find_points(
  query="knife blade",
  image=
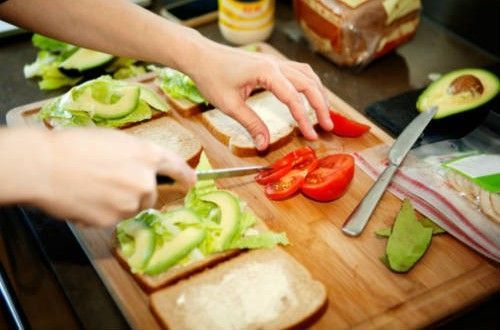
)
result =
(359, 217)
(216, 173)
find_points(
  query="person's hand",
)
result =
(101, 176)
(226, 76)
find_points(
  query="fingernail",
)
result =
(260, 142)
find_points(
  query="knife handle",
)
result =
(164, 179)
(358, 219)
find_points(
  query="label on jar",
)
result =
(246, 15)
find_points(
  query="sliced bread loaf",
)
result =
(273, 113)
(260, 289)
(168, 133)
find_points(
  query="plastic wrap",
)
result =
(465, 207)
(354, 32)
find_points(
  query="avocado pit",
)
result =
(466, 83)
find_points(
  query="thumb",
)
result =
(242, 113)
(174, 166)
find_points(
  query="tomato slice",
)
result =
(330, 179)
(296, 158)
(290, 183)
(344, 126)
(273, 174)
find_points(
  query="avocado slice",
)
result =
(459, 91)
(84, 60)
(230, 217)
(86, 102)
(153, 99)
(182, 216)
(144, 240)
(170, 252)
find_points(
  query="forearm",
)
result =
(23, 156)
(117, 27)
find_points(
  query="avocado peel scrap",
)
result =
(427, 223)
(408, 241)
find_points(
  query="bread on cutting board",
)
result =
(260, 289)
(275, 114)
(185, 107)
(152, 283)
(168, 133)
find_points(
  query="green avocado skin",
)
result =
(437, 94)
(408, 241)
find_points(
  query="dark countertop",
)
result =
(54, 282)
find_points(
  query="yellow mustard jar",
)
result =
(246, 21)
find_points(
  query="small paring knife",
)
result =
(358, 219)
(217, 173)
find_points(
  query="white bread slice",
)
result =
(273, 113)
(168, 133)
(260, 289)
(185, 107)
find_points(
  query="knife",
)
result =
(216, 173)
(358, 219)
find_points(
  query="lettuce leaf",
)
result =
(263, 240)
(53, 52)
(178, 85)
(52, 45)
(207, 217)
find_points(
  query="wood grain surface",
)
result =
(362, 292)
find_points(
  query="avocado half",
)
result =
(459, 91)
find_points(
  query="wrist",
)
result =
(189, 46)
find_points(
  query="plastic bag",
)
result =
(354, 32)
(437, 190)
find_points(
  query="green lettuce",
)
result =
(52, 45)
(178, 85)
(207, 218)
(53, 52)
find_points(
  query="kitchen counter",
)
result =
(54, 282)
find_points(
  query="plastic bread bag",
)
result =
(354, 32)
(455, 183)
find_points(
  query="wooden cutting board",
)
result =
(362, 292)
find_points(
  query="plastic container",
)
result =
(246, 21)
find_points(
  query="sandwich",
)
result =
(275, 114)
(180, 90)
(103, 102)
(161, 247)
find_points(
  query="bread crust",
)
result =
(165, 131)
(153, 283)
(185, 107)
(278, 138)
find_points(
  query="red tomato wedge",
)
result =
(330, 179)
(344, 126)
(284, 165)
(271, 175)
(291, 182)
